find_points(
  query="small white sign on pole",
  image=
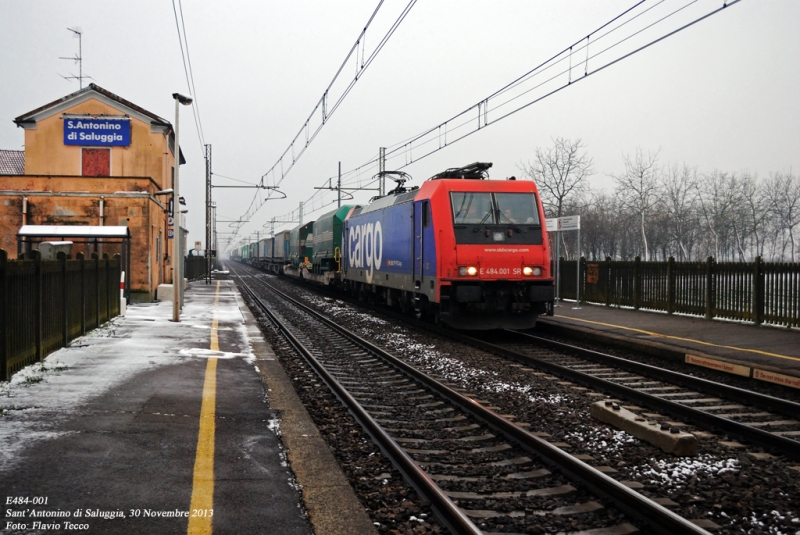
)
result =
(572, 222)
(563, 224)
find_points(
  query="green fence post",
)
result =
(671, 285)
(4, 376)
(637, 281)
(710, 293)
(758, 291)
(62, 261)
(37, 296)
(80, 257)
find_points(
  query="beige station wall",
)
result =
(147, 155)
(138, 210)
(57, 194)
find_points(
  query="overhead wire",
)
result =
(317, 199)
(394, 151)
(235, 179)
(322, 105)
(187, 69)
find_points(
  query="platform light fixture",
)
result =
(177, 271)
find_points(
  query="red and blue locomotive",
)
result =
(468, 251)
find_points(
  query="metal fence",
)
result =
(757, 292)
(45, 304)
(195, 267)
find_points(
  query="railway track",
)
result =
(474, 466)
(768, 421)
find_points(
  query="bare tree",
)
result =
(783, 194)
(680, 199)
(638, 189)
(560, 173)
(755, 211)
(719, 197)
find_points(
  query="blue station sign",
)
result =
(97, 132)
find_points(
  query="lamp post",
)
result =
(177, 266)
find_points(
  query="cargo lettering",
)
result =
(366, 247)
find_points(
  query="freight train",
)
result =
(470, 252)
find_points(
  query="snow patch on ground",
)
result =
(600, 441)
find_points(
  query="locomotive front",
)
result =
(494, 263)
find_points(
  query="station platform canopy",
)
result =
(73, 231)
(90, 234)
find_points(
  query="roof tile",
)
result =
(12, 162)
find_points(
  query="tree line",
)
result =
(659, 211)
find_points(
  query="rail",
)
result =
(786, 446)
(660, 519)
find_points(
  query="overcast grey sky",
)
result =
(722, 94)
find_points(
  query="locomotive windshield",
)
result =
(494, 208)
(495, 217)
(516, 208)
(472, 208)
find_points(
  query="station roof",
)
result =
(28, 120)
(77, 95)
(73, 231)
(12, 162)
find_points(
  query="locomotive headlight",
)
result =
(464, 271)
(535, 271)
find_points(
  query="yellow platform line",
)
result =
(201, 510)
(710, 344)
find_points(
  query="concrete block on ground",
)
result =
(680, 443)
(164, 292)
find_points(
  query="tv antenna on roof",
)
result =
(77, 59)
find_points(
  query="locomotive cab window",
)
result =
(519, 208)
(482, 217)
(426, 214)
(472, 208)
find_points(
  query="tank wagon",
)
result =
(301, 249)
(327, 250)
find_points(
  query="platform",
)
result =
(150, 426)
(769, 350)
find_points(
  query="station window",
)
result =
(96, 162)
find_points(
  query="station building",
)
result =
(93, 158)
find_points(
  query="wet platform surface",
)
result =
(150, 426)
(769, 348)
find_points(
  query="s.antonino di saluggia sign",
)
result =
(102, 132)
